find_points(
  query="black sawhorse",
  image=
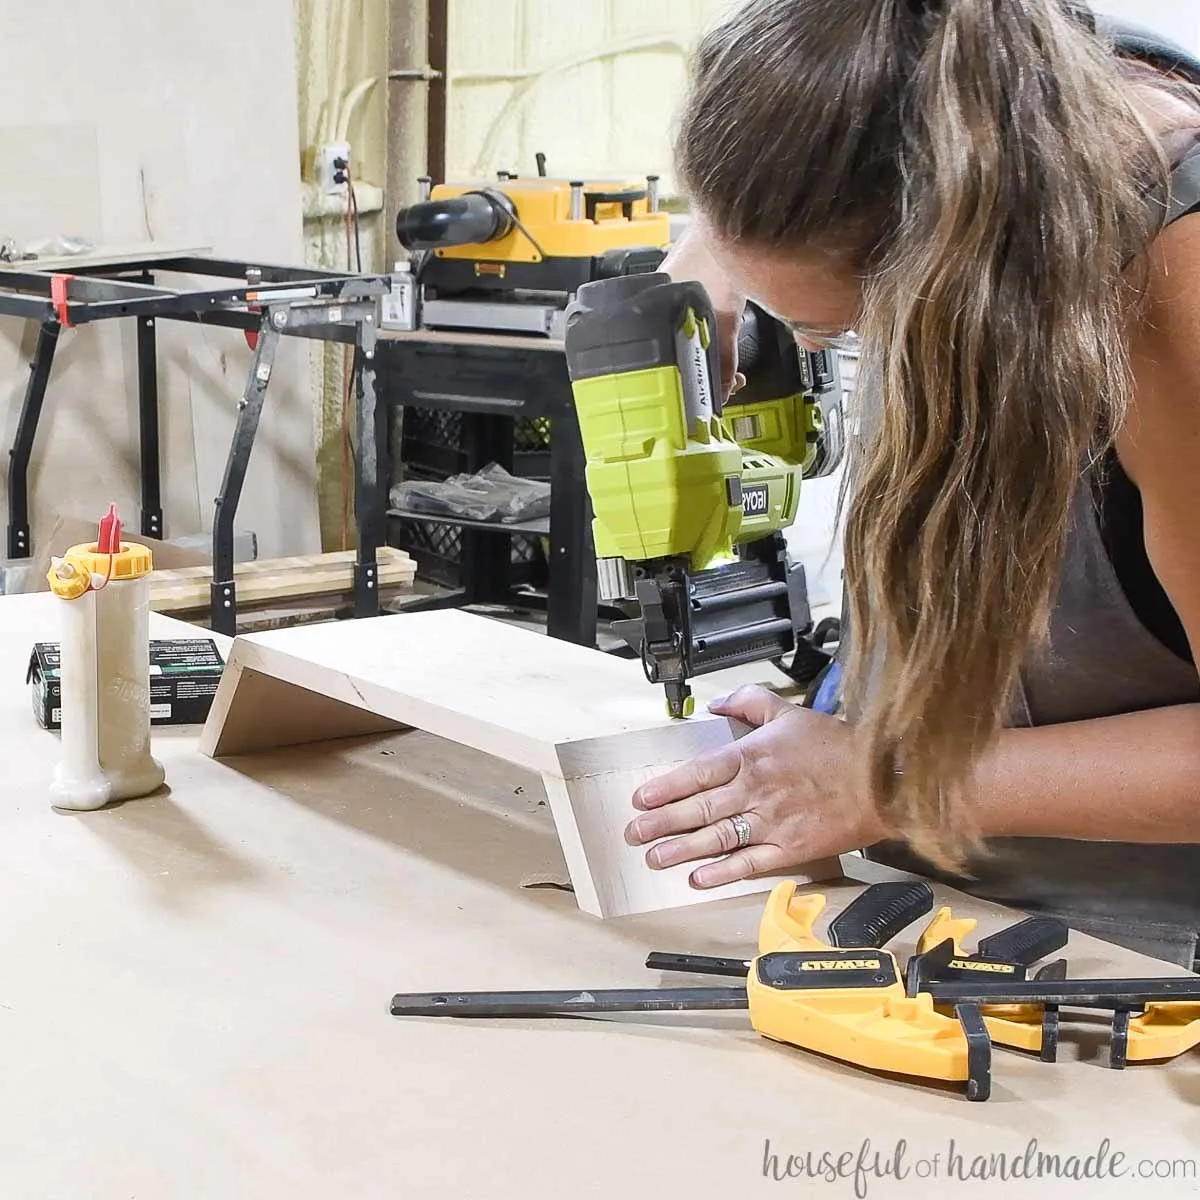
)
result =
(267, 302)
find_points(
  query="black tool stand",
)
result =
(494, 379)
(267, 302)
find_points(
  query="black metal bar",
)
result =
(537, 527)
(1047, 987)
(236, 269)
(131, 300)
(460, 403)
(1071, 993)
(566, 1003)
(1050, 1028)
(164, 306)
(437, 48)
(36, 282)
(246, 320)
(215, 268)
(454, 599)
(571, 611)
(99, 289)
(19, 544)
(698, 964)
(487, 555)
(1118, 1050)
(370, 482)
(979, 1051)
(30, 308)
(223, 590)
(148, 428)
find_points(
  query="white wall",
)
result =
(1178, 19)
(134, 120)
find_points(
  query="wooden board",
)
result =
(186, 589)
(588, 723)
(112, 256)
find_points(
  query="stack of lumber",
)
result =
(281, 590)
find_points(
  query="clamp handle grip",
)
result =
(787, 920)
(1027, 941)
(879, 913)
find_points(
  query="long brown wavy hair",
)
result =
(981, 165)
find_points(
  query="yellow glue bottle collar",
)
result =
(71, 575)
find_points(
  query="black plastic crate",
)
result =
(435, 441)
(437, 548)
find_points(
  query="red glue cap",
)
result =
(109, 541)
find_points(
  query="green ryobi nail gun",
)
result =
(691, 493)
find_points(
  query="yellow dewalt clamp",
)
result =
(1153, 1019)
(1006, 955)
(844, 995)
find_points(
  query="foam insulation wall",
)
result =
(594, 85)
(341, 51)
(133, 121)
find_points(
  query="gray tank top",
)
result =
(1101, 661)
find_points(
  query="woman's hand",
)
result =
(691, 259)
(793, 779)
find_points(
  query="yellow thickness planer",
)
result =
(507, 256)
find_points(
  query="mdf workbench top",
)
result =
(194, 1000)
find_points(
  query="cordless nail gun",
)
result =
(692, 493)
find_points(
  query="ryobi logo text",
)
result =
(756, 500)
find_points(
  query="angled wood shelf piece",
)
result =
(587, 722)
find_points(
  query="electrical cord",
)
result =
(353, 198)
(347, 218)
(349, 358)
(350, 365)
(422, 259)
(521, 226)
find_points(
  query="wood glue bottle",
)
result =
(105, 656)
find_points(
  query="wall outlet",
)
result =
(331, 178)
